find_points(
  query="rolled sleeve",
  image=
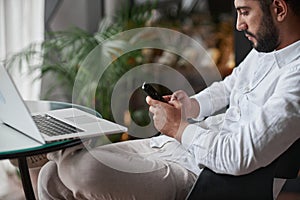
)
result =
(205, 105)
(189, 135)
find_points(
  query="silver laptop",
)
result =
(51, 126)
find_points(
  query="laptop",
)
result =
(50, 126)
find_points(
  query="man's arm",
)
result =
(241, 147)
(216, 96)
(171, 118)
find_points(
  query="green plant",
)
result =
(63, 52)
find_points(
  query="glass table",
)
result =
(14, 145)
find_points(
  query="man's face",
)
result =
(257, 25)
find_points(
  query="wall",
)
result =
(61, 15)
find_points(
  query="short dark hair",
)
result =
(265, 6)
(294, 5)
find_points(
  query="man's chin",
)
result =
(252, 44)
(263, 50)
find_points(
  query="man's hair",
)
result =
(294, 5)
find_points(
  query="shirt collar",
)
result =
(288, 54)
(283, 56)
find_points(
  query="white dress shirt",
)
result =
(262, 119)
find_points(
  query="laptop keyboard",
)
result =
(53, 127)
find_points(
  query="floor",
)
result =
(289, 196)
(291, 190)
(10, 184)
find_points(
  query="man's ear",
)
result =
(280, 9)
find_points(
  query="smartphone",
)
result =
(152, 92)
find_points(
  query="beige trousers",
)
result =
(125, 170)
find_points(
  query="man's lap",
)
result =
(125, 169)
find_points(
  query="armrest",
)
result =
(213, 186)
(288, 164)
(255, 185)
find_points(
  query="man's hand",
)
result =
(190, 106)
(168, 117)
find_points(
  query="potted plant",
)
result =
(63, 52)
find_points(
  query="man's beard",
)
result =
(267, 37)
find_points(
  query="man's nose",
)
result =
(241, 24)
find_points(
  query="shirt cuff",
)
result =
(189, 135)
(203, 99)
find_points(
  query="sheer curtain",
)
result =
(21, 22)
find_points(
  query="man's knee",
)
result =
(46, 178)
(50, 185)
(81, 170)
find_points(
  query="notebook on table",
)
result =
(48, 126)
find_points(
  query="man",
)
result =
(261, 122)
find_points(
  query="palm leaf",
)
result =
(62, 53)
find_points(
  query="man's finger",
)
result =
(176, 103)
(150, 101)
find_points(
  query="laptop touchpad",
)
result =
(82, 119)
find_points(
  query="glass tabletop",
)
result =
(13, 144)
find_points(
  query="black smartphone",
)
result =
(152, 92)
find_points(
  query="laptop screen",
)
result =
(13, 110)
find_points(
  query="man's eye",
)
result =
(244, 13)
